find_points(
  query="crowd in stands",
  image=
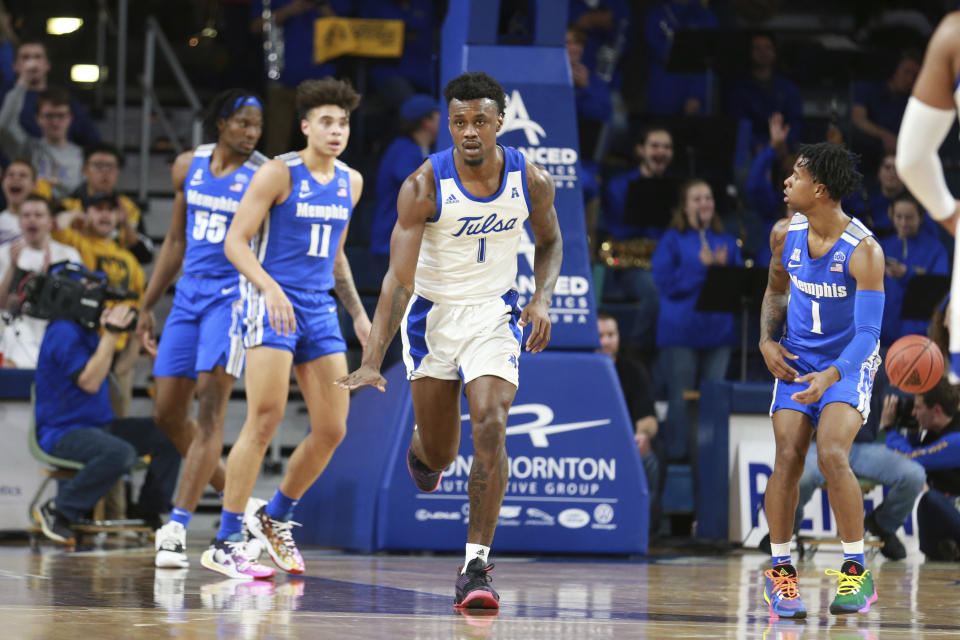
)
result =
(653, 113)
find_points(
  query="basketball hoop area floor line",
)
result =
(119, 594)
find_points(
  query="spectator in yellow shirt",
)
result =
(101, 172)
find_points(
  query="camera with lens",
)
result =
(903, 419)
(71, 292)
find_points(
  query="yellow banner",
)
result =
(333, 37)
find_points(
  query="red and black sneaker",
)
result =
(473, 587)
(426, 479)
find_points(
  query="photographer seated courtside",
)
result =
(73, 413)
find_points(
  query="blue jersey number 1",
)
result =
(816, 318)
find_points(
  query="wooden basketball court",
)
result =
(52, 593)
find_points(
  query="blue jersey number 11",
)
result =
(320, 240)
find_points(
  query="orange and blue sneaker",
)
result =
(473, 587)
(276, 536)
(781, 592)
(855, 589)
(426, 479)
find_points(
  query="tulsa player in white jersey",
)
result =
(295, 214)
(453, 263)
(929, 116)
(200, 351)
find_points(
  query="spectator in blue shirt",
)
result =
(293, 21)
(33, 54)
(416, 70)
(763, 93)
(879, 196)
(694, 345)
(655, 152)
(421, 119)
(878, 108)
(675, 93)
(908, 253)
(75, 421)
(769, 169)
(938, 451)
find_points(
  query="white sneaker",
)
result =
(254, 546)
(171, 543)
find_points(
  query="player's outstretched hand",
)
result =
(280, 311)
(819, 381)
(775, 356)
(537, 315)
(146, 331)
(365, 375)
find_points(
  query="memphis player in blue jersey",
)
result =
(826, 282)
(200, 351)
(287, 242)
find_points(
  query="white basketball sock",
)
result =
(475, 551)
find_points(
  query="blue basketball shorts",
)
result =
(318, 327)
(854, 389)
(202, 330)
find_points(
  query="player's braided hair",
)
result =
(833, 166)
(224, 105)
(316, 93)
(473, 86)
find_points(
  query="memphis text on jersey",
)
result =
(213, 203)
(326, 211)
(821, 290)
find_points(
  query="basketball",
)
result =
(914, 364)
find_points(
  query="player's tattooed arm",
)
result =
(547, 256)
(546, 231)
(773, 312)
(344, 286)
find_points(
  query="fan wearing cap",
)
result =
(421, 118)
(101, 172)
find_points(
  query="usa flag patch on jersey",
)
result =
(836, 267)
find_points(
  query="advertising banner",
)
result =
(754, 466)
(334, 37)
(575, 483)
(540, 121)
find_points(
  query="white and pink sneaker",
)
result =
(231, 559)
